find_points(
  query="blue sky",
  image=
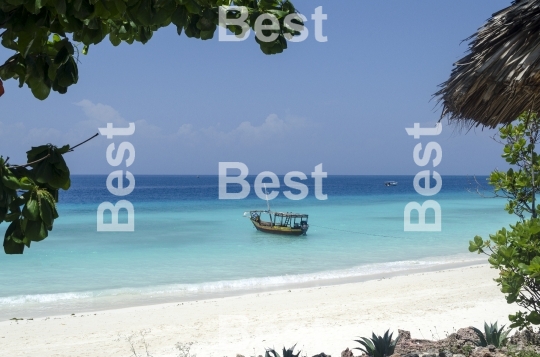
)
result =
(344, 103)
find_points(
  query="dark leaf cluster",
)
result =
(28, 195)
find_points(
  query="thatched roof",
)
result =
(500, 77)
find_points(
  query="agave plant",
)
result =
(378, 346)
(286, 353)
(493, 335)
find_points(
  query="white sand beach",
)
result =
(320, 319)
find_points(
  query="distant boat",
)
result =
(390, 183)
(279, 222)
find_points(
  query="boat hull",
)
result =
(268, 228)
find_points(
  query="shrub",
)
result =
(527, 352)
(378, 346)
(286, 353)
(492, 335)
(515, 252)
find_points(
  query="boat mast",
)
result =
(266, 194)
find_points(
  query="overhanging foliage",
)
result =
(28, 195)
(43, 32)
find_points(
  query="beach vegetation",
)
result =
(184, 349)
(378, 346)
(467, 350)
(525, 352)
(29, 193)
(515, 252)
(47, 37)
(492, 335)
(138, 345)
(286, 352)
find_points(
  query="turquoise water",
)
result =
(188, 242)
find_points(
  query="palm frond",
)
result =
(500, 76)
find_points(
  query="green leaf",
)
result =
(534, 318)
(40, 88)
(180, 16)
(46, 213)
(64, 149)
(67, 74)
(31, 210)
(11, 182)
(10, 245)
(60, 6)
(37, 152)
(478, 241)
(62, 56)
(36, 230)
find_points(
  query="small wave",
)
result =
(183, 290)
(43, 298)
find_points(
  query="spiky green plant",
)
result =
(286, 353)
(378, 346)
(492, 335)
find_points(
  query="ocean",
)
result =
(188, 244)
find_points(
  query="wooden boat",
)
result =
(295, 224)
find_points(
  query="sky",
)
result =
(344, 103)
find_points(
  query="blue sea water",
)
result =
(187, 242)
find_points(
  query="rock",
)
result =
(429, 355)
(445, 353)
(491, 348)
(322, 354)
(347, 353)
(525, 337)
(481, 352)
(466, 334)
(411, 355)
(404, 335)
(239, 355)
(458, 355)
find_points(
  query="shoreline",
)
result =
(98, 303)
(320, 319)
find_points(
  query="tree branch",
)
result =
(43, 158)
(79, 144)
(30, 163)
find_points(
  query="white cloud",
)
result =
(101, 113)
(195, 143)
(271, 129)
